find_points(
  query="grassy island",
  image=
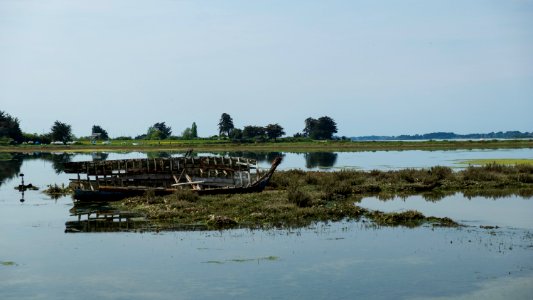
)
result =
(297, 198)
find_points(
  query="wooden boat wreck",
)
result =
(113, 180)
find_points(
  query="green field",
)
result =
(292, 146)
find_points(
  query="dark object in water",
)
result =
(24, 187)
(117, 179)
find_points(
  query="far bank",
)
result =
(307, 146)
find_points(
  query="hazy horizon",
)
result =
(382, 68)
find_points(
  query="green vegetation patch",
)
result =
(8, 263)
(55, 191)
(500, 161)
(297, 198)
(304, 145)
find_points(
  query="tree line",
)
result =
(322, 128)
(449, 136)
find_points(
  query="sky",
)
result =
(377, 67)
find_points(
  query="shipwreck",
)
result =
(113, 180)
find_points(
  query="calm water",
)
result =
(345, 260)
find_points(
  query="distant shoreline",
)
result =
(308, 146)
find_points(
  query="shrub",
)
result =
(299, 197)
(440, 172)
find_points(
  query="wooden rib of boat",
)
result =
(117, 179)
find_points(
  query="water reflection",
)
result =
(359, 261)
(320, 159)
(511, 211)
(99, 156)
(436, 196)
(103, 218)
(261, 157)
(158, 154)
(9, 166)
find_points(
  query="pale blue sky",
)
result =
(376, 67)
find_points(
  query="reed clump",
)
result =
(55, 191)
(299, 197)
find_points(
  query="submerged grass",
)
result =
(8, 263)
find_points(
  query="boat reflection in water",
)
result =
(100, 217)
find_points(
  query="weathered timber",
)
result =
(204, 175)
(161, 165)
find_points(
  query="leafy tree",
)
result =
(251, 132)
(225, 125)
(153, 134)
(274, 131)
(99, 130)
(327, 127)
(310, 126)
(194, 130)
(38, 138)
(10, 127)
(159, 131)
(236, 134)
(321, 129)
(187, 134)
(61, 132)
(164, 130)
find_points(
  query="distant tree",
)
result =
(159, 131)
(123, 138)
(321, 129)
(99, 130)
(153, 134)
(164, 130)
(310, 126)
(10, 127)
(298, 135)
(251, 132)
(236, 134)
(194, 130)
(38, 138)
(327, 127)
(61, 132)
(187, 134)
(225, 125)
(274, 131)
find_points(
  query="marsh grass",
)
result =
(296, 198)
(55, 191)
(300, 198)
(500, 161)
